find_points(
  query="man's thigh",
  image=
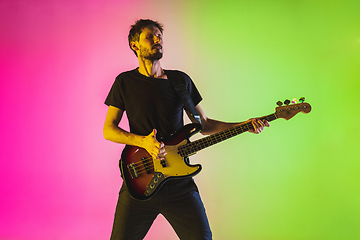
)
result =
(133, 218)
(187, 216)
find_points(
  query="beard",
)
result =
(150, 55)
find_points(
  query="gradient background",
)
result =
(297, 180)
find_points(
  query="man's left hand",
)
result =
(258, 125)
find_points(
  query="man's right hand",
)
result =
(153, 147)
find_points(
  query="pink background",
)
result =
(58, 177)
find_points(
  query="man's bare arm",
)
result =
(211, 126)
(114, 133)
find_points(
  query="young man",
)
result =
(154, 110)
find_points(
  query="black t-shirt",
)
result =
(150, 102)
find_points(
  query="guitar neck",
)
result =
(193, 147)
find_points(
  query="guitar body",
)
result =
(144, 175)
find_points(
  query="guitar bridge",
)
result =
(132, 170)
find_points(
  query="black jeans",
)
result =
(178, 201)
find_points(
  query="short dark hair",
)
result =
(136, 29)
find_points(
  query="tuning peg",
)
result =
(302, 99)
(287, 102)
(294, 101)
(279, 103)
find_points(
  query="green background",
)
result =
(298, 179)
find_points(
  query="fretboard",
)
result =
(193, 147)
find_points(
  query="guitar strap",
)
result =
(179, 84)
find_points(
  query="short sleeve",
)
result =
(115, 97)
(194, 93)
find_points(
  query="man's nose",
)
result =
(156, 39)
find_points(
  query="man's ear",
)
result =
(134, 46)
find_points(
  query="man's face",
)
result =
(150, 44)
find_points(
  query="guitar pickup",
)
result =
(146, 165)
(163, 163)
(132, 170)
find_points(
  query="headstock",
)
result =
(290, 110)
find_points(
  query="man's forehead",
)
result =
(151, 29)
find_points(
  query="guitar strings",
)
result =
(187, 149)
(140, 165)
(193, 147)
(197, 145)
(184, 150)
(143, 170)
(142, 160)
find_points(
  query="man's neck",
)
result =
(151, 69)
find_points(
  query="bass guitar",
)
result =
(144, 175)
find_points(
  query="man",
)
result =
(154, 110)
